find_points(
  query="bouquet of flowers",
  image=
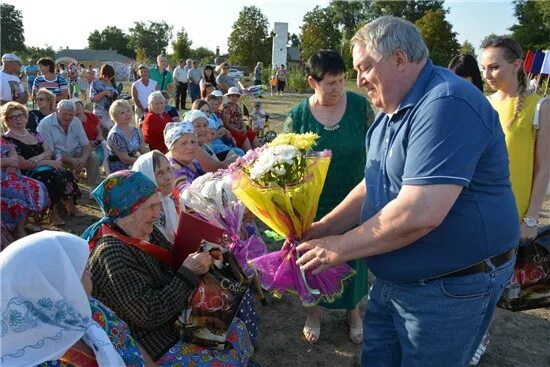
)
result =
(281, 183)
(211, 197)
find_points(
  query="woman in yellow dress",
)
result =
(525, 120)
(527, 137)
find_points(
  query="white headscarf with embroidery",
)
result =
(44, 308)
(168, 223)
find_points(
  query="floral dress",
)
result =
(184, 354)
(118, 142)
(185, 175)
(101, 107)
(19, 194)
(235, 115)
(118, 332)
(60, 184)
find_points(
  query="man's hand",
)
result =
(320, 254)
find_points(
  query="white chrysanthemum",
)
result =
(272, 157)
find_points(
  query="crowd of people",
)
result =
(448, 185)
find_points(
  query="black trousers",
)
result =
(181, 95)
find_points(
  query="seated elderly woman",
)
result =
(182, 142)
(154, 122)
(52, 322)
(19, 194)
(132, 274)
(233, 121)
(206, 156)
(157, 168)
(124, 142)
(37, 162)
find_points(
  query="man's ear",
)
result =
(312, 82)
(401, 59)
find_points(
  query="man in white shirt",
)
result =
(11, 87)
(141, 89)
(181, 78)
(63, 132)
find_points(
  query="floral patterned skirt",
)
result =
(184, 354)
(21, 195)
(60, 184)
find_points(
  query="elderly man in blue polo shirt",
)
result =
(435, 217)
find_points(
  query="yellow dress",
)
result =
(520, 141)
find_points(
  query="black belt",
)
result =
(483, 266)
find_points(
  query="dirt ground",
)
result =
(518, 339)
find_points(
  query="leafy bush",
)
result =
(296, 80)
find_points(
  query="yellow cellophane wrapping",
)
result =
(289, 211)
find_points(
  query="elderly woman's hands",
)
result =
(198, 262)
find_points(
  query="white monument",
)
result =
(280, 42)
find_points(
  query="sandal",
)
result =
(311, 334)
(355, 333)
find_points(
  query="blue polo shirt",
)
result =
(444, 132)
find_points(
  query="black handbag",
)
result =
(215, 301)
(530, 285)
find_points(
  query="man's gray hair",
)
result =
(155, 96)
(386, 34)
(66, 105)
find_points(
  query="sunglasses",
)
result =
(504, 42)
(40, 99)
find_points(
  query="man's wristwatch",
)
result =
(530, 221)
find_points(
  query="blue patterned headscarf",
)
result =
(175, 130)
(119, 195)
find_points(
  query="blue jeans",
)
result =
(194, 91)
(433, 322)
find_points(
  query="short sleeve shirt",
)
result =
(10, 87)
(69, 143)
(162, 79)
(55, 86)
(444, 132)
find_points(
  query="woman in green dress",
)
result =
(341, 120)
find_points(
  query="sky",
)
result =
(212, 20)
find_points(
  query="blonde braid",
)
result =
(522, 93)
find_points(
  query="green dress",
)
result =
(347, 169)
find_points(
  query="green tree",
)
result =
(468, 48)
(153, 37)
(12, 34)
(204, 55)
(349, 15)
(412, 10)
(319, 30)
(439, 36)
(533, 27)
(294, 40)
(249, 42)
(181, 45)
(110, 38)
(141, 57)
(37, 52)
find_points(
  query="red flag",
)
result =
(528, 62)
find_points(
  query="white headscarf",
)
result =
(44, 308)
(168, 223)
